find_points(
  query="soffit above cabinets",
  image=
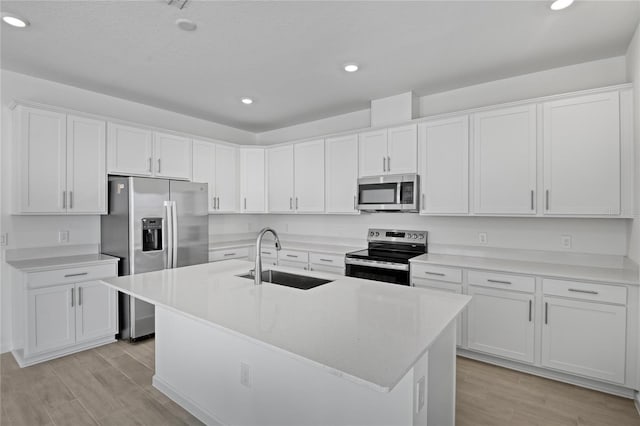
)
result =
(288, 56)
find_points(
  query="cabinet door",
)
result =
(372, 153)
(252, 180)
(226, 171)
(504, 145)
(172, 156)
(50, 318)
(501, 323)
(444, 166)
(280, 173)
(309, 176)
(95, 311)
(129, 150)
(341, 174)
(447, 288)
(86, 165)
(402, 149)
(43, 170)
(582, 155)
(584, 338)
(203, 168)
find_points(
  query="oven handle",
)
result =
(374, 264)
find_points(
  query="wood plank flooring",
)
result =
(111, 385)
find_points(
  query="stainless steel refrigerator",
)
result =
(153, 224)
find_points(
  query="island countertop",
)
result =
(365, 331)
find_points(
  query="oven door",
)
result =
(357, 269)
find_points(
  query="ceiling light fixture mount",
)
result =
(186, 24)
(246, 101)
(15, 20)
(351, 67)
(561, 4)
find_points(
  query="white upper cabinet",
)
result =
(280, 177)
(217, 166)
(252, 180)
(402, 146)
(388, 151)
(62, 163)
(444, 166)
(172, 156)
(309, 176)
(129, 150)
(86, 165)
(504, 145)
(582, 155)
(43, 163)
(226, 177)
(341, 159)
(204, 158)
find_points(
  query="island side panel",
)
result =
(199, 367)
(441, 386)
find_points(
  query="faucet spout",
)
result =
(258, 269)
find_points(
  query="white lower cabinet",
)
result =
(585, 338)
(501, 322)
(241, 253)
(56, 313)
(441, 286)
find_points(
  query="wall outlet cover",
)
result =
(565, 241)
(63, 237)
(245, 375)
(4, 239)
(483, 238)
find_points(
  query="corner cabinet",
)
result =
(582, 155)
(61, 163)
(388, 151)
(504, 161)
(443, 152)
(137, 151)
(62, 311)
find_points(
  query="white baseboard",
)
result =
(5, 347)
(36, 359)
(637, 401)
(186, 403)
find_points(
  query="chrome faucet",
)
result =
(258, 270)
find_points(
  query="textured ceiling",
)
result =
(288, 55)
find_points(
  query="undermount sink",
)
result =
(302, 282)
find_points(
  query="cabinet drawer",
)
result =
(436, 285)
(71, 275)
(338, 270)
(502, 281)
(440, 273)
(326, 259)
(585, 291)
(293, 256)
(233, 253)
(269, 253)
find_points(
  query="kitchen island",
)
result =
(351, 351)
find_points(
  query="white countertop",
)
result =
(48, 263)
(365, 331)
(627, 275)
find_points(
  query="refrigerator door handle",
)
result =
(168, 225)
(174, 234)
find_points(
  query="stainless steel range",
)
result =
(387, 256)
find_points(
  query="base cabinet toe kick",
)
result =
(580, 332)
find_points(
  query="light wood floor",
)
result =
(111, 385)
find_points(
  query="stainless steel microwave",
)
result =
(395, 193)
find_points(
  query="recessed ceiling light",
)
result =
(561, 4)
(15, 20)
(351, 67)
(186, 24)
(246, 101)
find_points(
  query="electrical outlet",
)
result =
(483, 238)
(63, 237)
(245, 374)
(565, 241)
(4, 239)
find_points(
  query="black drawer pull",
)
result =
(500, 282)
(292, 255)
(575, 290)
(76, 275)
(326, 260)
(439, 274)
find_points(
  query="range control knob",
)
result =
(377, 234)
(371, 233)
(415, 236)
(421, 236)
